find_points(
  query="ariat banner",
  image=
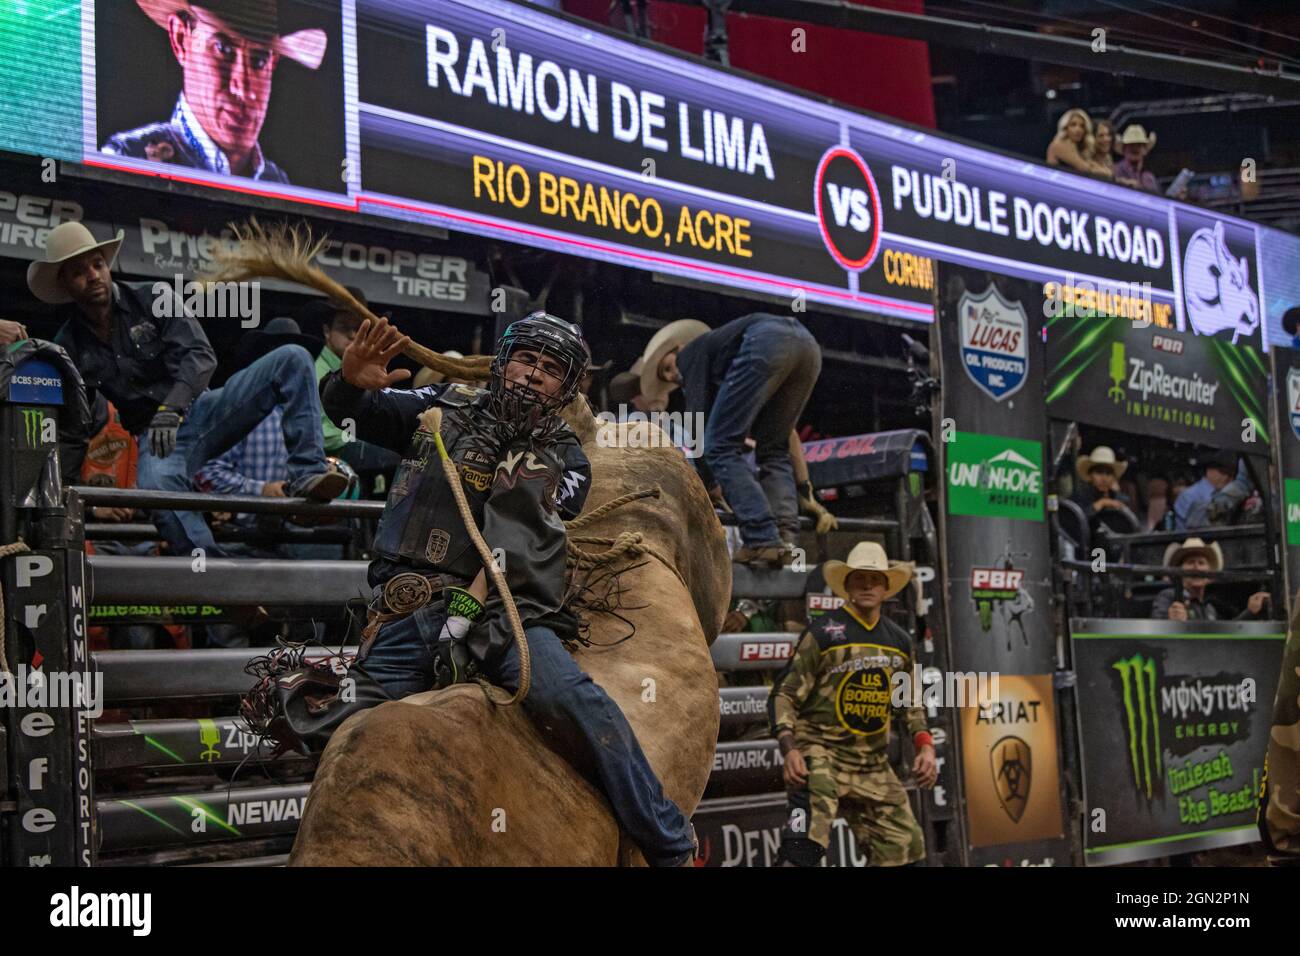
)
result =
(1131, 375)
(1009, 763)
(1173, 721)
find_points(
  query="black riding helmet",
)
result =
(547, 335)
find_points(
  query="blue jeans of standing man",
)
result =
(219, 419)
(569, 709)
(762, 396)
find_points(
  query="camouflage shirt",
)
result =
(835, 693)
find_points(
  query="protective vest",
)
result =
(421, 525)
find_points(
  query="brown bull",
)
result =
(446, 778)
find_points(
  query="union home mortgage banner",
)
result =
(1173, 721)
(1286, 385)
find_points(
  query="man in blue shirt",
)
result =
(1191, 510)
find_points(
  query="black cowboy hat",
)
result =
(279, 331)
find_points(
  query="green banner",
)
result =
(1140, 378)
(992, 476)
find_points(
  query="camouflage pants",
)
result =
(873, 804)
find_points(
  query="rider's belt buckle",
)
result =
(407, 592)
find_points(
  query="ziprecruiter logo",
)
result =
(1149, 390)
(991, 476)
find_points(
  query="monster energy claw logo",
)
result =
(34, 427)
(1142, 719)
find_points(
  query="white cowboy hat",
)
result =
(256, 20)
(1101, 455)
(671, 336)
(66, 241)
(867, 556)
(1133, 133)
(427, 376)
(1176, 554)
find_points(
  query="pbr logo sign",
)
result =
(994, 343)
(1293, 399)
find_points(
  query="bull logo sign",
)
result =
(1293, 399)
(1012, 767)
(1217, 293)
(994, 342)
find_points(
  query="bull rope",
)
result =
(7, 550)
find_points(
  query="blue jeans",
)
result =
(219, 419)
(568, 708)
(762, 396)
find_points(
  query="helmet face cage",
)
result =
(548, 337)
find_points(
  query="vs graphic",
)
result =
(850, 207)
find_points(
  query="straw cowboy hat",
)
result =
(672, 336)
(256, 20)
(867, 556)
(427, 376)
(1176, 554)
(1102, 455)
(1133, 133)
(66, 241)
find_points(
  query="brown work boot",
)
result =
(766, 556)
(323, 486)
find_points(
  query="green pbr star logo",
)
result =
(991, 476)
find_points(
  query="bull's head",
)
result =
(1218, 291)
(1237, 298)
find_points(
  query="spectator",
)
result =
(1103, 150)
(11, 332)
(1186, 601)
(1135, 145)
(1290, 324)
(1192, 507)
(1100, 473)
(338, 325)
(1157, 502)
(151, 358)
(753, 377)
(1073, 144)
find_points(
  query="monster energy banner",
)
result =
(1138, 377)
(1173, 719)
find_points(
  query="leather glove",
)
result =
(809, 505)
(162, 431)
(463, 609)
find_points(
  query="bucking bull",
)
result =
(450, 778)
